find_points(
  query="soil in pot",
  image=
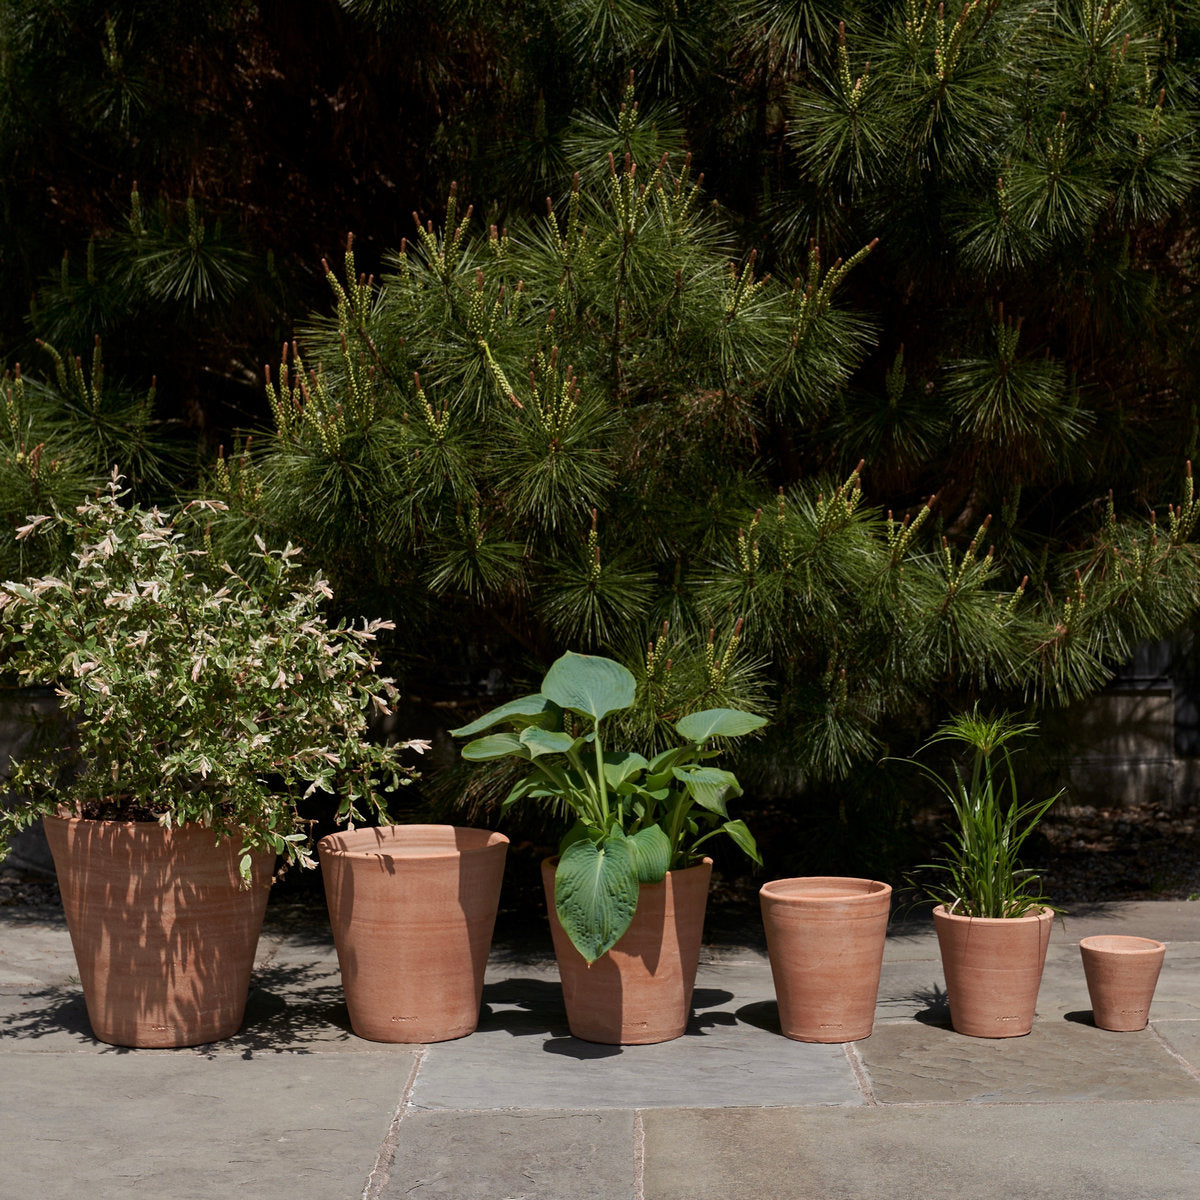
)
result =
(413, 908)
(164, 933)
(640, 992)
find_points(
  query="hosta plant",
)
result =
(980, 874)
(191, 695)
(635, 818)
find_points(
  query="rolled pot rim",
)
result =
(551, 860)
(791, 889)
(1144, 945)
(333, 844)
(1037, 914)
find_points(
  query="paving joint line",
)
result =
(1183, 1062)
(377, 1180)
(639, 1156)
(861, 1075)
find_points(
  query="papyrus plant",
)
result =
(980, 874)
(635, 818)
(191, 694)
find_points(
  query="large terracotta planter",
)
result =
(164, 934)
(641, 990)
(413, 908)
(993, 968)
(1122, 973)
(825, 938)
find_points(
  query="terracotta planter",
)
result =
(164, 934)
(413, 908)
(1122, 973)
(993, 968)
(641, 990)
(825, 937)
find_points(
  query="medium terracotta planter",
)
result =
(413, 908)
(164, 934)
(1122, 973)
(825, 937)
(641, 990)
(993, 968)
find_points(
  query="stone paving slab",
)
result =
(169, 1123)
(522, 1056)
(980, 1152)
(542, 1155)
(1180, 1037)
(34, 953)
(911, 1062)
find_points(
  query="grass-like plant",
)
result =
(980, 873)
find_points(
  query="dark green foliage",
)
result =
(569, 420)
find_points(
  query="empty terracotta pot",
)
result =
(825, 937)
(993, 968)
(413, 908)
(163, 932)
(641, 990)
(1122, 973)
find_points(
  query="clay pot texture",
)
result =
(993, 968)
(825, 937)
(641, 990)
(413, 908)
(1122, 973)
(163, 931)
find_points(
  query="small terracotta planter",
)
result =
(825, 937)
(413, 908)
(163, 932)
(993, 968)
(1122, 973)
(641, 990)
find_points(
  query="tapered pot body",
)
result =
(1122, 973)
(641, 990)
(825, 937)
(164, 933)
(993, 968)
(413, 908)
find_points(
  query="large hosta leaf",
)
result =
(596, 892)
(718, 722)
(525, 710)
(744, 838)
(589, 685)
(546, 741)
(621, 766)
(495, 745)
(651, 854)
(710, 787)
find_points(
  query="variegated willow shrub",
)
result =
(191, 694)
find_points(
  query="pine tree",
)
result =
(594, 431)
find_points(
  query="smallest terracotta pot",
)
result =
(1122, 973)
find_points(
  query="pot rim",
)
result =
(1123, 944)
(792, 890)
(552, 860)
(1038, 914)
(332, 845)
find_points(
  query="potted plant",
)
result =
(993, 923)
(200, 704)
(628, 889)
